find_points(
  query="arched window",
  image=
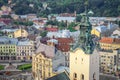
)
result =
(94, 78)
(74, 75)
(82, 77)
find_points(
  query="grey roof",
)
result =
(7, 40)
(106, 77)
(101, 28)
(61, 76)
(22, 43)
(48, 50)
(9, 30)
(69, 19)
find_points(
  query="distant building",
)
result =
(14, 16)
(8, 48)
(108, 61)
(108, 43)
(103, 30)
(6, 10)
(9, 32)
(116, 34)
(20, 33)
(64, 45)
(6, 21)
(31, 16)
(66, 19)
(59, 34)
(52, 29)
(25, 50)
(39, 23)
(41, 66)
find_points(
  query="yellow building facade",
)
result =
(7, 51)
(84, 66)
(96, 32)
(41, 66)
(8, 48)
(20, 33)
(109, 46)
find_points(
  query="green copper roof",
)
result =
(85, 41)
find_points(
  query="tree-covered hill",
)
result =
(99, 7)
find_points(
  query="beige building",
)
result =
(108, 61)
(41, 66)
(25, 49)
(84, 66)
(20, 33)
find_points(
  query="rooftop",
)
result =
(22, 43)
(48, 50)
(110, 40)
(9, 30)
(6, 40)
(61, 76)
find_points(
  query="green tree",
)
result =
(43, 34)
(6, 16)
(71, 26)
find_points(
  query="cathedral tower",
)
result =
(84, 58)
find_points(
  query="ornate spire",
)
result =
(85, 39)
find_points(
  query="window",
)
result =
(74, 75)
(94, 77)
(81, 60)
(82, 77)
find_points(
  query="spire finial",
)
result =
(86, 6)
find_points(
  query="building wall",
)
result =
(24, 52)
(41, 67)
(58, 60)
(7, 51)
(109, 46)
(67, 58)
(20, 33)
(84, 64)
(108, 61)
(95, 32)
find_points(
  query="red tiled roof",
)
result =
(106, 40)
(65, 40)
(52, 29)
(116, 40)
(109, 40)
(63, 48)
(64, 44)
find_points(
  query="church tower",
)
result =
(84, 58)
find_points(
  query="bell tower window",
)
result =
(82, 77)
(74, 76)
